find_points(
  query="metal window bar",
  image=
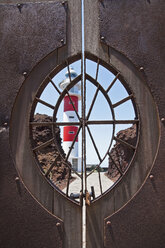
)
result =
(51, 166)
(44, 103)
(84, 123)
(54, 85)
(94, 144)
(123, 101)
(97, 69)
(112, 83)
(75, 137)
(124, 143)
(68, 182)
(47, 143)
(119, 169)
(106, 122)
(93, 101)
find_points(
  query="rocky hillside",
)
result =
(120, 153)
(46, 155)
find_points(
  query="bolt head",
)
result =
(17, 179)
(141, 68)
(162, 119)
(62, 41)
(24, 73)
(58, 224)
(108, 223)
(102, 38)
(151, 176)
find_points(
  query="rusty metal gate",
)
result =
(46, 40)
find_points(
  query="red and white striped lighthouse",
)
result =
(69, 115)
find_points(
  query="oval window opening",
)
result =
(84, 128)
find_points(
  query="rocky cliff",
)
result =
(121, 154)
(46, 155)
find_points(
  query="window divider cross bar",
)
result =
(43, 145)
(75, 137)
(94, 144)
(44, 103)
(122, 101)
(54, 85)
(51, 166)
(112, 83)
(93, 102)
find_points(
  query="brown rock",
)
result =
(121, 154)
(46, 155)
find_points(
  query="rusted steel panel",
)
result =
(29, 32)
(51, 199)
(136, 29)
(142, 162)
(23, 222)
(33, 46)
(91, 30)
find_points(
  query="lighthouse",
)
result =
(69, 115)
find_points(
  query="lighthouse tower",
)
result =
(69, 115)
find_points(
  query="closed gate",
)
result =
(103, 94)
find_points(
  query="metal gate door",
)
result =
(39, 38)
(109, 34)
(100, 73)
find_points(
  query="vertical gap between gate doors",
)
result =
(83, 175)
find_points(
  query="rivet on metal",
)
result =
(141, 68)
(108, 223)
(102, 38)
(62, 41)
(24, 73)
(19, 6)
(163, 120)
(17, 179)
(151, 177)
(58, 225)
(65, 4)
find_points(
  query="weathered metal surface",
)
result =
(92, 32)
(51, 199)
(142, 163)
(134, 28)
(60, 228)
(29, 32)
(141, 222)
(138, 32)
(23, 221)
